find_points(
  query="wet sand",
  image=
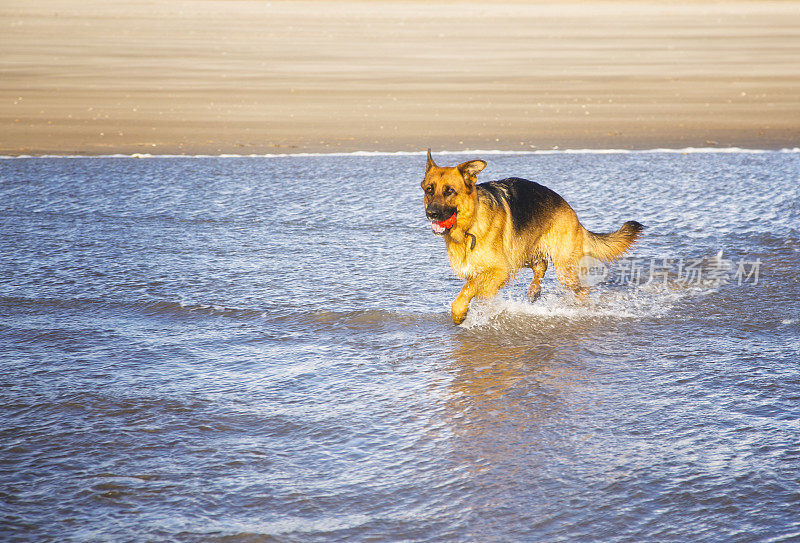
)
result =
(246, 77)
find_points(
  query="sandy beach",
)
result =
(220, 76)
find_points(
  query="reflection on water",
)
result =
(499, 396)
(494, 376)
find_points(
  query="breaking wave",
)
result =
(685, 150)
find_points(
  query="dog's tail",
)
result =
(608, 247)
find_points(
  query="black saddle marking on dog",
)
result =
(528, 201)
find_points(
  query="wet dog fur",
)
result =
(494, 229)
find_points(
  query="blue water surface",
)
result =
(260, 349)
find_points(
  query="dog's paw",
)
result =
(459, 310)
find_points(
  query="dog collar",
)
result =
(472, 240)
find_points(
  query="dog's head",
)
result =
(449, 192)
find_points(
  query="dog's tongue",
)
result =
(439, 227)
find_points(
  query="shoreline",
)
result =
(487, 152)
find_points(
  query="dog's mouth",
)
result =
(440, 227)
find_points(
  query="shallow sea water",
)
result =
(260, 349)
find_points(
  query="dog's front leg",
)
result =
(484, 285)
(460, 305)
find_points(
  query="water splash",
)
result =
(608, 302)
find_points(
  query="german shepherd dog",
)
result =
(494, 229)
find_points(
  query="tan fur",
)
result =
(499, 250)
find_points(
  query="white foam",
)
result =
(645, 301)
(686, 150)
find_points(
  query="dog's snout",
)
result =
(433, 211)
(438, 212)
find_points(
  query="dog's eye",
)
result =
(429, 189)
(449, 191)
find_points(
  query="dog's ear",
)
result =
(469, 170)
(431, 163)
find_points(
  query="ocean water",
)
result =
(260, 349)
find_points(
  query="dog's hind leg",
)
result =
(539, 267)
(568, 276)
